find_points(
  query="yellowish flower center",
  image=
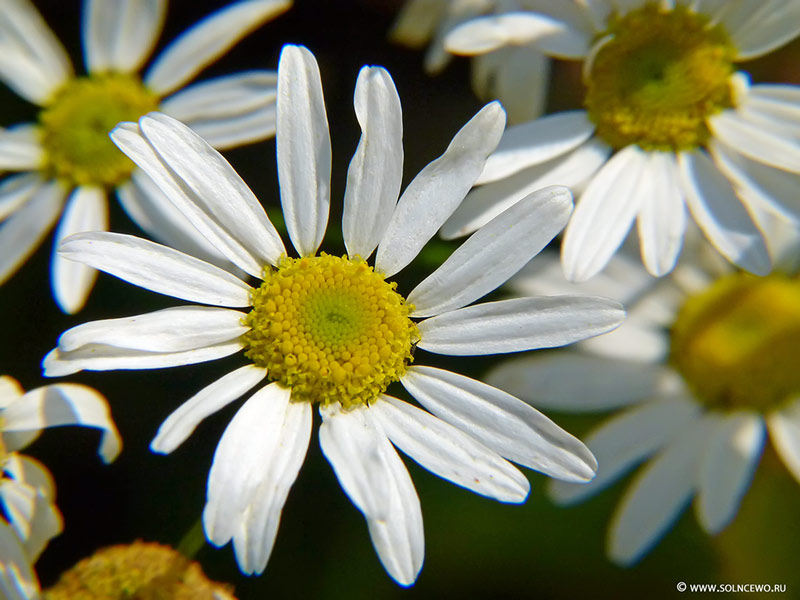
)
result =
(657, 79)
(76, 123)
(737, 343)
(331, 329)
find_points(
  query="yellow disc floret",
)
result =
(331, 329)
(656, 78)
(737, 343)
(76, 123)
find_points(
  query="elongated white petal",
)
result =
(662, 216)
(625, 440)
(17, 579)
(353, 444)
(501, 422)
(86, 210)
(720, 215)
(19, 503)
(177, 428)
(15, 191)
(519, 324)
(604, 214)
(770, 26)
(65, 404)
(208, 40)
(657, 496)
(304, 149)
(437, 190)
(535, 142)
(169, 330)
(211, 195)
(118, 35)
(727, 467)
(95, 357)
(22, 233)
(448, 452)
(32, 61)
(519, 82)
(784, 432)
(494, 253)
(20, 148)
(756, 142)
(32, 472)
(376, 170)
(157, 268)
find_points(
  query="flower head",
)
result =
(333, 330)
(66, 164)
(668, 124)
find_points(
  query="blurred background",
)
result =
(475, 547)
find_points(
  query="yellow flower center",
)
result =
(658, 77)
(331, 329)
(736, 343)
(76, 123)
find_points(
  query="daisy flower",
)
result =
(703, 368)
(27, 491)
(516, 75)
(668, 123)
(331, 330)
(65, 164)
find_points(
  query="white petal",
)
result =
(32, 472)
(535, 142)
(86, 210)
(169, 330)
(494, 253)
(255, 465)
(206, 41)
(657, 496)
(604, 214)
(501, 422)
(756, 142)
(18, 504)
(212, 196)
(354, 445)
(108, 358)
(438, 189)
(15, 191)
(376, 170)
(22, 233)
(448, 452)
(784, 431)
(46, 524)
(662, 216)
(65, 404)
(228, 111)
(721, 216)
(727, 467)
(20, 148)
(157, 268)
(32, 61)
(520, 82)
(182, 422)
(416, 22)
(770, 26)
(304, 149)
(485, 202)
(118, 35)
(519, 324)
(569, 381)
(625, 440)
(17, 578)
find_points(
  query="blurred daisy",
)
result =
(704, 367)
(331, 330)
(27, 493)
(668, 124)
(66, 163)
(516, 75)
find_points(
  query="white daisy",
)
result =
(668, 124)
(516, 75)
(27, 491)
(331, 330)
(704, 366)
(65, 163)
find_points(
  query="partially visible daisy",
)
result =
(66, 163)
(703, 369)
(331, 330)
(516, 75)
(668, 124)
(27, 493)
